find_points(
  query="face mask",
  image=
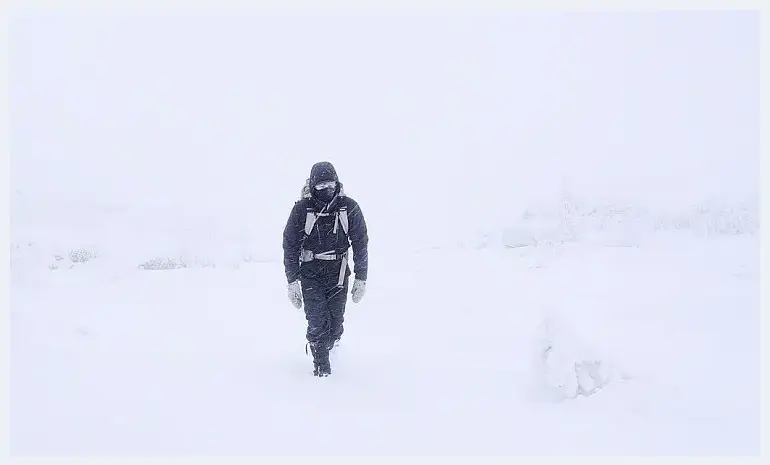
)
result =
(325, 192)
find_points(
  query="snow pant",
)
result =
(324, 305)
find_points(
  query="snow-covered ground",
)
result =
(562, 210)
(453, 350)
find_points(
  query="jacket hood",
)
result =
(321, 172)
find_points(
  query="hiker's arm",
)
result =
(359, 241)
(293, 234)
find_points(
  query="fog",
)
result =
(439, 124)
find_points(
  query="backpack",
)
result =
(341, 218)
(312, 216)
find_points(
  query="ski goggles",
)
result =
(326, 185)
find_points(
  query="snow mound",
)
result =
(567, 367)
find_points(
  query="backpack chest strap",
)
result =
(340, 218)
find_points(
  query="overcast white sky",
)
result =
(425, 116)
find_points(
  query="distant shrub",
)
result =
(573, 221)
(80, 256)
(163, 263)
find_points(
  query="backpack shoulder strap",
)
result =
(310, 219)
(311, 216)
(343, 218)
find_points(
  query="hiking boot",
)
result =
(321, 370)
(321, 365)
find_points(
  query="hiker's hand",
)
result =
(295, 294)
(359, 289)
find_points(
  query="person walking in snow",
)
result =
(322, 226)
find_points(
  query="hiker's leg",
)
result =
(318, 321)
(336, 306)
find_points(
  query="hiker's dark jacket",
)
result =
(323, 238)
